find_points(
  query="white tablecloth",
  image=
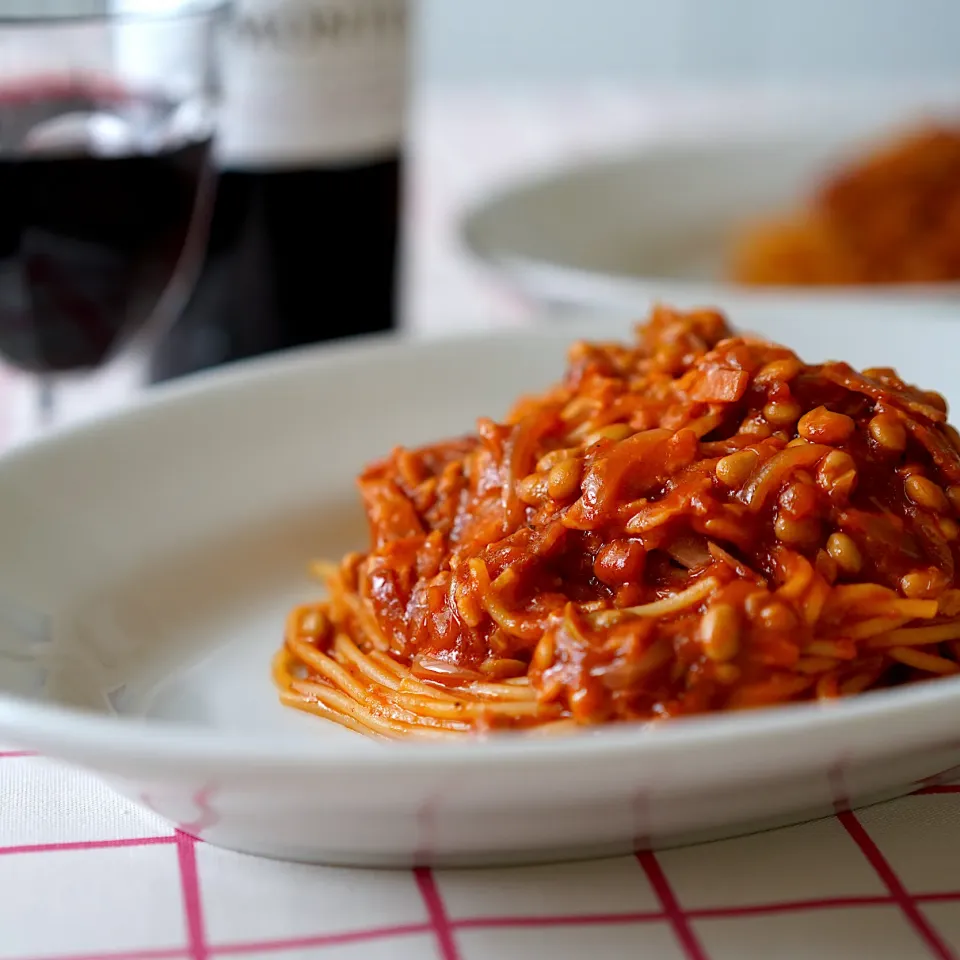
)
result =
(85, 875)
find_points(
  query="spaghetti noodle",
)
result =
(693, 522)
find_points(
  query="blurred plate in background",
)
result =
(659, 222)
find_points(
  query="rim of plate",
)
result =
(588, 287)
(63, 730)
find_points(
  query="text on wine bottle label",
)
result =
(308, 80)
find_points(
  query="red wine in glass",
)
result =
(100, 191)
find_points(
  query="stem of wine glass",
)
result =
(46, 401)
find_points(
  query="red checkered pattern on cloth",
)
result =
(84, 874)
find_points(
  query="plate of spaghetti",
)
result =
(548, 593)
(853, 198)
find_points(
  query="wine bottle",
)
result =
(304, 237)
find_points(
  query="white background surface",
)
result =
(685, 41)
(657, 42)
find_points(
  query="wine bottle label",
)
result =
(312, 80)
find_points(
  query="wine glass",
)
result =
(106, 125)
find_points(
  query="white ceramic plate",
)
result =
(148, 561)
(658, 221)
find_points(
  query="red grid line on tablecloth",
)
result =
(257, 946)
(190, 890)
(888, 877)
(86, 845)
(692, 949)
(698, 913)
(10, 754)
(437, 912)
(171, 953)
(321, 940)
(938, 788)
